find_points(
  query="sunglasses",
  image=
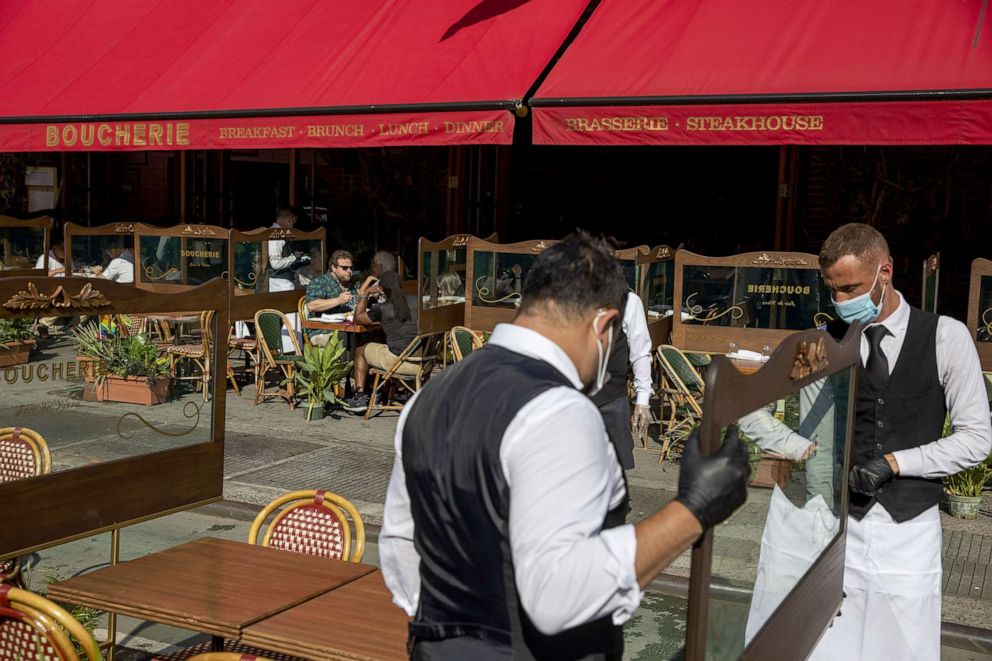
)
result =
(344, 268)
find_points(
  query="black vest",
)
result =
(907, 412)
(616, 367)
(460, 501)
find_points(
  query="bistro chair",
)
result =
(231, 656)
(464, 341)
(313, 522)
(422, 354)
(681, 393)
(304, 315)
(130, 324)
(247, 347)
(32, 627)
(268, 331)
(23, 454)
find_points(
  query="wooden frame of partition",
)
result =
(485, 318)
(43, 222)
(183, 232)
(245, 302)
(796, 625)
(659, 327)
(931, 273)
(51, 509)
(716, 339)
(980, 268)
(442, 318)
(73, 230)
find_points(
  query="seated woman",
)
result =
(398, 316)
(449, 288)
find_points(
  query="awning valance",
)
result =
(697, 72)
(247, 74)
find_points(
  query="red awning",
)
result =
(708, 72)
(193, 74)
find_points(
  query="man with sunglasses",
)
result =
(333, 292)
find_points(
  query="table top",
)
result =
(210, 585)
(341, 327)
(357, 620)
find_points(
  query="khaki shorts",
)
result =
(380, 357)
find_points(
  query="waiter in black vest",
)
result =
(631, 346)
(917, 367)
(494, 535)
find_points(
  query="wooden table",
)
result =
(357, 620)
(210, 585)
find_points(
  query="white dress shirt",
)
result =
(967, 402)
(563, 478)
(121, 268)
(54, 264)
(635, 327)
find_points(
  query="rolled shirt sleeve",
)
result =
(276, 260)
(564, 478)
(635, 327)
(967, 402)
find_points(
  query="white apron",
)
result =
(892, 578)
(792, 540)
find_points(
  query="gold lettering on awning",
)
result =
(123, 134)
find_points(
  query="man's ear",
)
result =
(605, 317)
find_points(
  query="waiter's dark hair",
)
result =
(576, 275)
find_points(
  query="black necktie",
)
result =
(877, 365)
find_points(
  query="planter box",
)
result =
(132, 390)
(87, 367)
(772, 470)
(16, 353)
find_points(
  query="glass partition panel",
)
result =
(100, 389)
(181, 260)
(22, 248)
(92, 255)
(660, 288)
(499, 277)
(444, 277)
(763, 552)
(754, 297)
(984, 329)
(277, 264)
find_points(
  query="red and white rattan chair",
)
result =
(23, 454)
(32, 627)
(230, 656)
(233, 651)
(313, 522)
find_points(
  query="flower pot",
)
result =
(132, 390)
(772, 470)
(963, 507)
(15, 353)
(316, 414)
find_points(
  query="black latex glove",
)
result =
(713, 487)
(866, 478)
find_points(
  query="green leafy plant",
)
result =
(319, 370)
(119, 356)
(14, 330)
(970, 481)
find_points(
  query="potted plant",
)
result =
(964, 490)
(15, 342)
(123, 369)
(318, 372)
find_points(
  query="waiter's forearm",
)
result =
(662, 537)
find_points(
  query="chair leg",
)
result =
(234, 381)
(259, 383)
(372, 397)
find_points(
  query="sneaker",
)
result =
(357, 404)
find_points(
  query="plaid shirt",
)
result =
(326, 286)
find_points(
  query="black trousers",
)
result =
(616, 416)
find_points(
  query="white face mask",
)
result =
(603, 357)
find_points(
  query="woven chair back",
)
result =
(269, 330)
(32, 627)
(676, 361)
(313, 522)
(131, 324)
(464, 341)
(23, 454)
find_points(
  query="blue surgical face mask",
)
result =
(861, 308)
